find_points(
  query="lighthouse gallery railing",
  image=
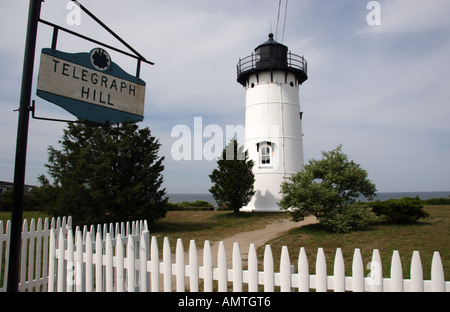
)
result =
(294, 61)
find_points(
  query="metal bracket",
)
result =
(32, 109)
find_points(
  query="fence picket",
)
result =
(437, 274)
(98, 261)
(269, 273)
(108, 263)
(39, 234)
(3, 238)
(180, 268)
(222, 268)
(143, 258)
(70, 264)
(45, 252)
(237, 268)
(8, 232)
(375, 280)
(252, 269)
(131, 283)
(357, 272)
(61, 268)
(285, 270)
(167, 265)
(78, 275)
(154, 265)
(207, 267)
(51, 262)
(89, 287)
(193, 266)
(303, 271)
(416, 273)
(321, 271)
(396, 273)
(339, 272)
(31, 254)
(23, 254)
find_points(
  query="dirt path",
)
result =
(257, 237)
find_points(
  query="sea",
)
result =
(180, 197)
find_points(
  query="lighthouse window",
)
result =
(257, 55)
(265, 153)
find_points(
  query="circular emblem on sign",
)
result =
(100, 59)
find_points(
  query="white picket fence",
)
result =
(123, 257)
(34, 252)
(36, 248)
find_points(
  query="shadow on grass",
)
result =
(316, 229)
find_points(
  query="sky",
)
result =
(378, 79)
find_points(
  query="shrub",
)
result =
(328, 189)
(437, 201)
(404, 210)
(345, 219)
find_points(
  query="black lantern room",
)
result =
(272, 56)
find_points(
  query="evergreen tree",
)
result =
(233, 179)
(105, 174)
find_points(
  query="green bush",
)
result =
(345, 219)
(404, 210)
(437, 201)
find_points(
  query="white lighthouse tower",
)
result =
(271, 77)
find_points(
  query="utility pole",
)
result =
(21, 146)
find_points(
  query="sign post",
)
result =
(21, 147)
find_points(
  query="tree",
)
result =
(105, 174)
(234, 179)
(405, 210)
(328, 189)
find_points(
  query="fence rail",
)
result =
(123, 257)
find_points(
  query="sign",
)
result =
(90, 86)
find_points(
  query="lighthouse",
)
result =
(271, 77)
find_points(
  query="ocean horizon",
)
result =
(191, 197)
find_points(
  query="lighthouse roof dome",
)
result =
(271, 41)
